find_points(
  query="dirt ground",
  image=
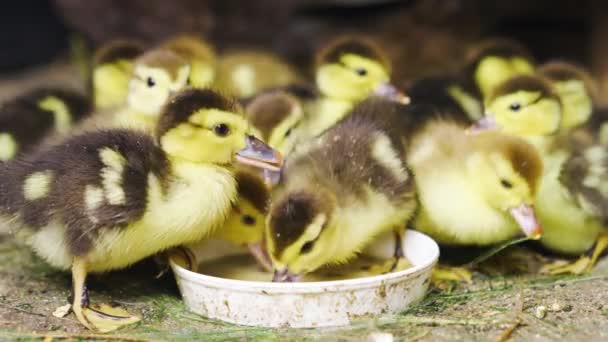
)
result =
(503, 302)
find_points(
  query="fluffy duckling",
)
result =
(492, 178)
(246, 222)
(200, 55)
(341, 190)
(525, 106)
(157, 75)
(569, 201)
(244, 73)
(494, 61)
(106, 199)
(274, 117)
(27, 119)
(348, 70)
(576, 89)
(112, 69)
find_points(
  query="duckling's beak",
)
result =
(391, 92)
(484, 124)
(259, 252)
(257, 154)
(526, 219)
(284, 276)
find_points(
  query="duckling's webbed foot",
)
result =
(102, 318)
(583, 264)
(442, 274)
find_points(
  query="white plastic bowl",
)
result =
(312, 304)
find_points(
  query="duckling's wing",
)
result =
(584, 175)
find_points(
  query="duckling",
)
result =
(525, 106)
(568, 202)
(246, 222)
(157, 75)
(348, 70)
(274, 117)
(494, 61)
(576, 89)
(341, 190)
(112, 68)
(106, 199)
(201, 56)
(27, 119)
(473, 189)
(244, 73)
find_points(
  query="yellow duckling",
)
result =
(474, 189)
(245, 73)
(341, 190)
(199, 54)
(157, 75)
(525, 106)
(104, 200)
(274, 117)
(26, 120)
(112, 69)
(348, 70)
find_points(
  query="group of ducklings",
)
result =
(155, 157)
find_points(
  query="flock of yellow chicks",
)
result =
(157, 157)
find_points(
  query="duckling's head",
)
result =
(299, 232)
(202, 126)
(524, 106)
(352, 68)
(245, 224)
(506, 171)
(494, 61)
(576, 89)
(274, 116)
(199, 54)
(113, 65)
(156, 75)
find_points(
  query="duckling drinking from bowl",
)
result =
(341, 190)
(104, 200)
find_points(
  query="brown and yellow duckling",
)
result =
(112, 69)
(245, 73)
(200, 55)
(27, 119)
(341, 190)
(106, 199)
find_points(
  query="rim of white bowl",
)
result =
(315, 286)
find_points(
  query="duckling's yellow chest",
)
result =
(197, 202)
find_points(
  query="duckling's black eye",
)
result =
(248, 220)
(151, 82)
(221, 130)
(505, 183)
(288, 133)
(361, 71)
(515, 106)
(307, 247)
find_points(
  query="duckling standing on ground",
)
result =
(106, 199)
(569, 201)
(341, 190)
(27, 119)
(199, 54)
(112, 69)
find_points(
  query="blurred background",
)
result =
(421, 36)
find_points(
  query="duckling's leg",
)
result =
(398, 254)
(584, 264)
(102, 318)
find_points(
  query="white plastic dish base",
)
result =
(313, 304)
